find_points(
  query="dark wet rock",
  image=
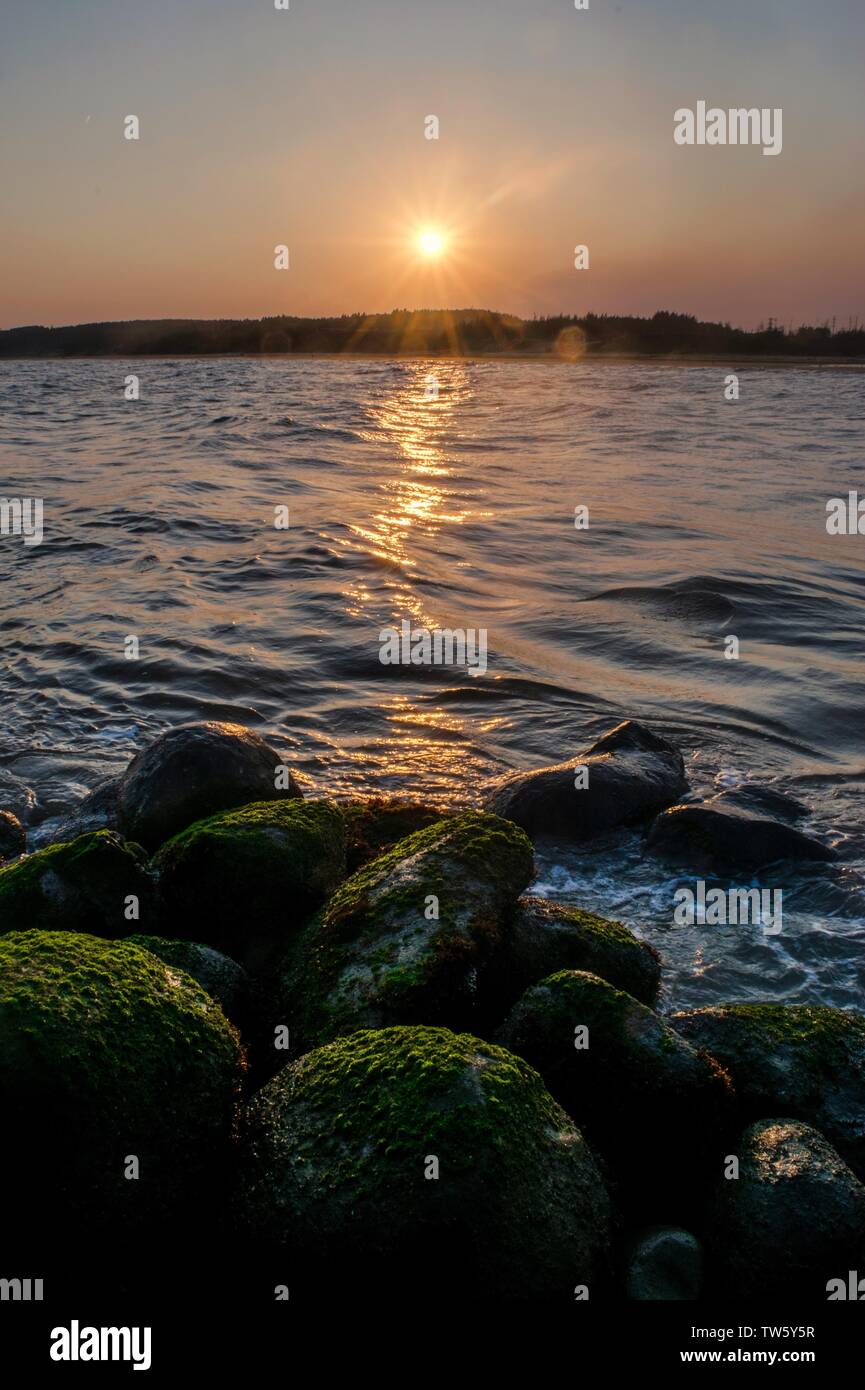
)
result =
(17, 796)
(632, 773)
(403, 939)
(13, 838)
(793, 1220)
(222, 978)
(664, 1264)
(195, 771)
(415, 1154)
(377, 824)
(794, 1059)
(761, 801)
(707, 837)
(254, 873)
(107, 1053)
(543, 937)
(651, 1106)
(97, 811)
(84, 886)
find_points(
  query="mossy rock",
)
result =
(256, 872)
(222, 978)
(81, 886)
(413, 1156)
(800, 1060)
(378, 823)
(402, 940)
(791, 1222)
(651, 1104)
(108, 1053)
(543, 937)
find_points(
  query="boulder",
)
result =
(543, 937)
(707, 837)
(108, 1055)
(664, 1264)
(632, 774)
(652, 1106)
(83, 886)
(222, 978)
(416, 1157)
(793, 1220)
(375, 825)
(13, 839)
(403, 939)
(98, 810)
(245, 878)
(799, 1060)
(192, 772)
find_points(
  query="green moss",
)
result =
(818, 1035)
(372, 956)
(262, 867)
(104, 1051)
(81, 885)
(336, 1146)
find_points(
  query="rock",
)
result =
(653, 1108)
(222, 978)
(632, 773)
(407, 1156)
(107, 1053)
(708, 838)
(403, 939)
(13, 839)
(194, 771)
(793, 1059)
(97, 811)
(793, 1219)
(257, 872)
(83, 886)
(543, 937)
(664, 1264)
(376, 825)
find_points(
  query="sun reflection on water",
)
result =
(415, 426)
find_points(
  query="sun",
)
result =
(431, 243)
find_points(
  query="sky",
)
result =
(306, 128)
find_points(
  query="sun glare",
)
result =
(431, 243)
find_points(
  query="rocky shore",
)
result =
(347, 1032)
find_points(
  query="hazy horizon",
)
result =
(306, 128)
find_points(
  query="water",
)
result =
(707, 519)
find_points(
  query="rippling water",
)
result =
(707, 519)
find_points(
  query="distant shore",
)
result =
(447, 333)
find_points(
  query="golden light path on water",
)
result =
(418, 428)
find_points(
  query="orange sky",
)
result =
(306, 128)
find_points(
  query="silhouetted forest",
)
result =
(437, 331)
